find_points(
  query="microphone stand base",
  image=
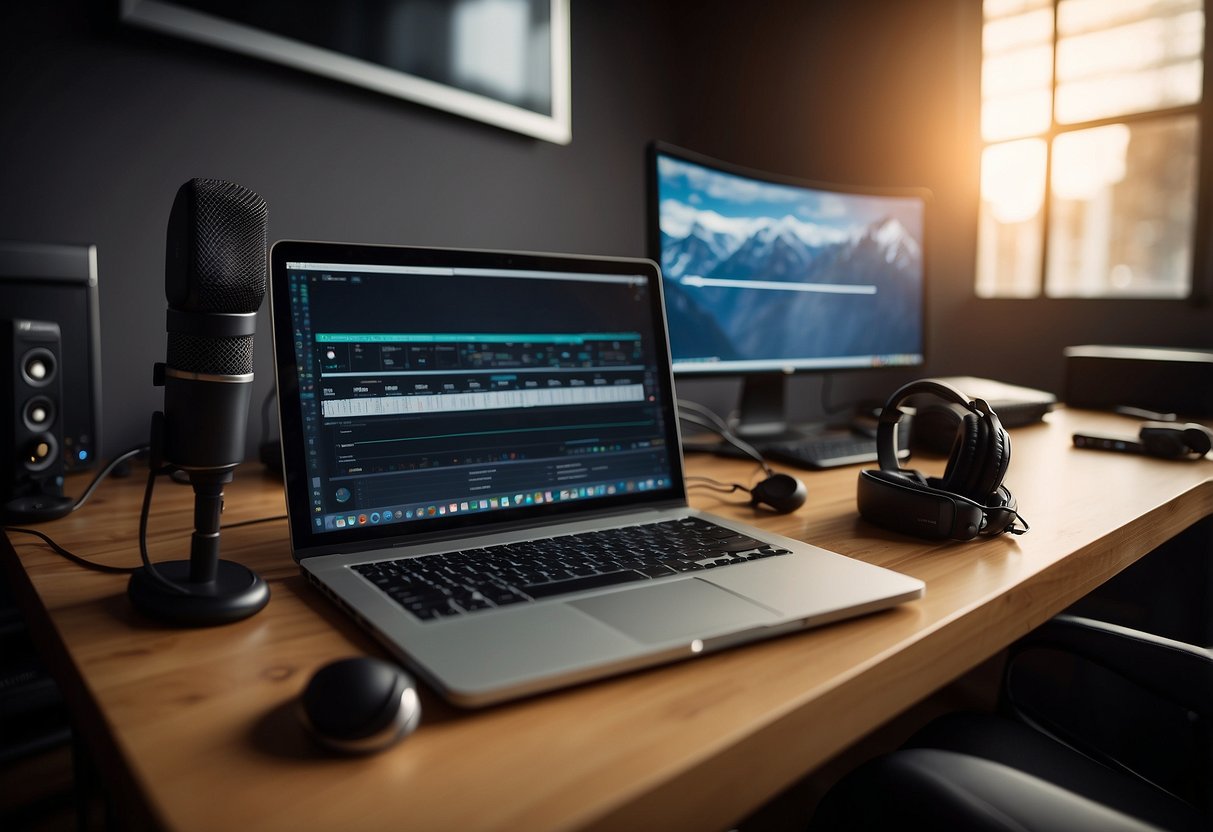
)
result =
(236, 593)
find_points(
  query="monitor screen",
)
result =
(765, 274)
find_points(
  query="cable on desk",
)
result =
(42, 508)
(144, 513)
(88, 492)
(105, 472)
(147, 496)
(779, 492)
(713, 485)
(72, 556)
(697, 414)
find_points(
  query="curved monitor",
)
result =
(764, 274)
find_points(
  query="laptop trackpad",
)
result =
(665, 611)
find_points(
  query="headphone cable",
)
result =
(697, 414)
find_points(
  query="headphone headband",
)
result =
(891, 413)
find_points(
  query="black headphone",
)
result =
(1169, 440)
(1172, 441)
(968, 500)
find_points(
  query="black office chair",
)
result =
(1021, 772)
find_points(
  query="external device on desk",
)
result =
(781, 493)
(766, 276)
(482, 466)
(49, 355)
(970, 498)
(936, 420)
(32, 421)
(214, 282)
(360, 705)
(1168, 440)
(57, 284)
(1160, 379)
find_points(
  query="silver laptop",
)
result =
(482, 464)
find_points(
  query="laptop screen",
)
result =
(426, 390)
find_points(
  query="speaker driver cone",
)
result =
(39, 414)
(38, 367)
(41, 451)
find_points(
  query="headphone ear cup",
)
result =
(1199, 439)
(1166, 441)
(959, 468)
(995, 459)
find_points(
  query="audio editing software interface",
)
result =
(439, 392)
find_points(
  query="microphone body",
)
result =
(207, 387)
(214, 283)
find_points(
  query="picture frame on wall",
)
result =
(503, 62)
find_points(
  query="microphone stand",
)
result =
(204, 590)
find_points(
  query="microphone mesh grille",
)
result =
(213, 356)
(229, 247)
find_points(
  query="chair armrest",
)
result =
(1179, 672)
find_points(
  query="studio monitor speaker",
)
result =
(58, 284)
(32, 457)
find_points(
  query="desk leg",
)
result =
(94, 811)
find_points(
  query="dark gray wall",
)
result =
(100, 123)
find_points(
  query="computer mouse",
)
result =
(360, 705)
(782, 492)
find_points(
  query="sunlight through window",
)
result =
(1097, 99)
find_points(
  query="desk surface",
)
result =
(196, 727)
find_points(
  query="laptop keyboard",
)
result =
(457, 583)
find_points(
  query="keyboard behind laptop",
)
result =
(830, 448)
(457, 583)
(823, 451)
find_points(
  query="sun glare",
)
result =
(1013, 179)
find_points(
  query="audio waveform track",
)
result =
(479, 401)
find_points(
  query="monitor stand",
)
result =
(762, 423)
(762, 417)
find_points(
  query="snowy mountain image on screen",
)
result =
(859, 286)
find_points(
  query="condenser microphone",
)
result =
(214, 283)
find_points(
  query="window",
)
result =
(1091, 140)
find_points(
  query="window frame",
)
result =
(1200, 284)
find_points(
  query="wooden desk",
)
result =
(194, 729)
